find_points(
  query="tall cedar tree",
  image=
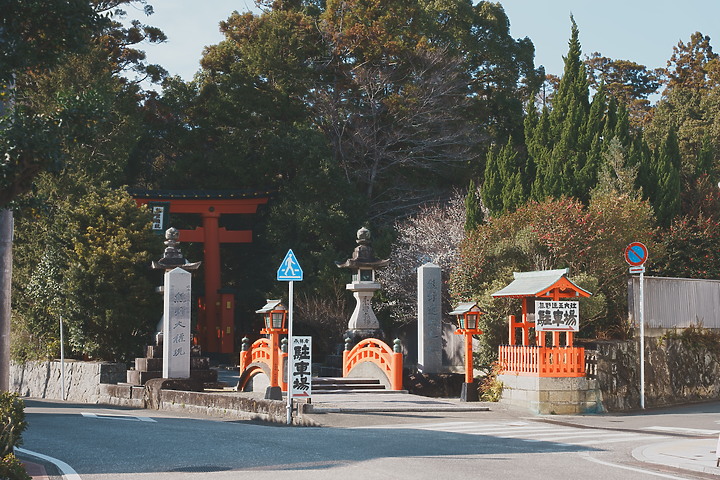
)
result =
(567, 143)
(473, 210)
(503, 190)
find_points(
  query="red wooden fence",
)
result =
(534, 361)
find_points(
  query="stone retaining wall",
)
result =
(676, 372)
(82, 379)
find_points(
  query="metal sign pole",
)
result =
(62, 361)
(288, 364)
(636, 254)
(642, 342)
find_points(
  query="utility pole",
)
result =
(6, 259)
(6, 240)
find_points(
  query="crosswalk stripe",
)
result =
(687, 431)
(489, 431)
(411, 425)
(527, 432)
(626, 437)
(561, 436)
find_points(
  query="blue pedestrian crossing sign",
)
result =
(290, 270)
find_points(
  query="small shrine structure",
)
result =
(216, 322)
(533, 373)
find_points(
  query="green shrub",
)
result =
(696, 338)
(490, 387)
(12, 422)
(12, 425)
(12, 469)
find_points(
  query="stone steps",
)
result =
(346, 385)
(150, 367)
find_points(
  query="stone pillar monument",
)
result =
(176, 324)
(363, 322)
(177, 305)
(430, 347)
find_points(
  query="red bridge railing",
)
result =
(379, 353)
(261, 352)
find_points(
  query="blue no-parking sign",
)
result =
(636, 254)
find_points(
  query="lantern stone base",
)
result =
(469, 392)
(273, 393)
(356, 335)
(552, 396)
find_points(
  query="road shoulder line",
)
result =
(66, 470)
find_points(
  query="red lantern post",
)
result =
(468, 319)
(275, 318)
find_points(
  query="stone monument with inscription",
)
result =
(177, 305)
(176, 323)
(430, 335)
(173, 356)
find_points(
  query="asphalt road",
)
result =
(105, 443)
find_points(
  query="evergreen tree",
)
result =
(704, 165)
(503, 190)
(513, 194)
(640, 155)
(592, 143)
(473, 211)
(617, 176)
(492, 187)
(538, 146)
(573, 88)
(566, 139)
(666, 197)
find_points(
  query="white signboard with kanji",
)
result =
(301, 367)
(561, 316)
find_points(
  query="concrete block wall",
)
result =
(83, 380)
(545, 396)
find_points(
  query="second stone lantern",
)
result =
(363, 322)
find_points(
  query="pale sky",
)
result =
(639, 30)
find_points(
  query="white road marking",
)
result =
(624, 437)
(66, 470)
(527, 432)
(687, 431)
(115, 416)
(417, 425)
(586, 456)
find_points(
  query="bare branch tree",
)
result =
(432, 235)
(398, 128)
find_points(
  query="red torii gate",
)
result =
(216, 330)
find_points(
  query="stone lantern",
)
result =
(363, 322)
(172, 256)
(171, 259)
